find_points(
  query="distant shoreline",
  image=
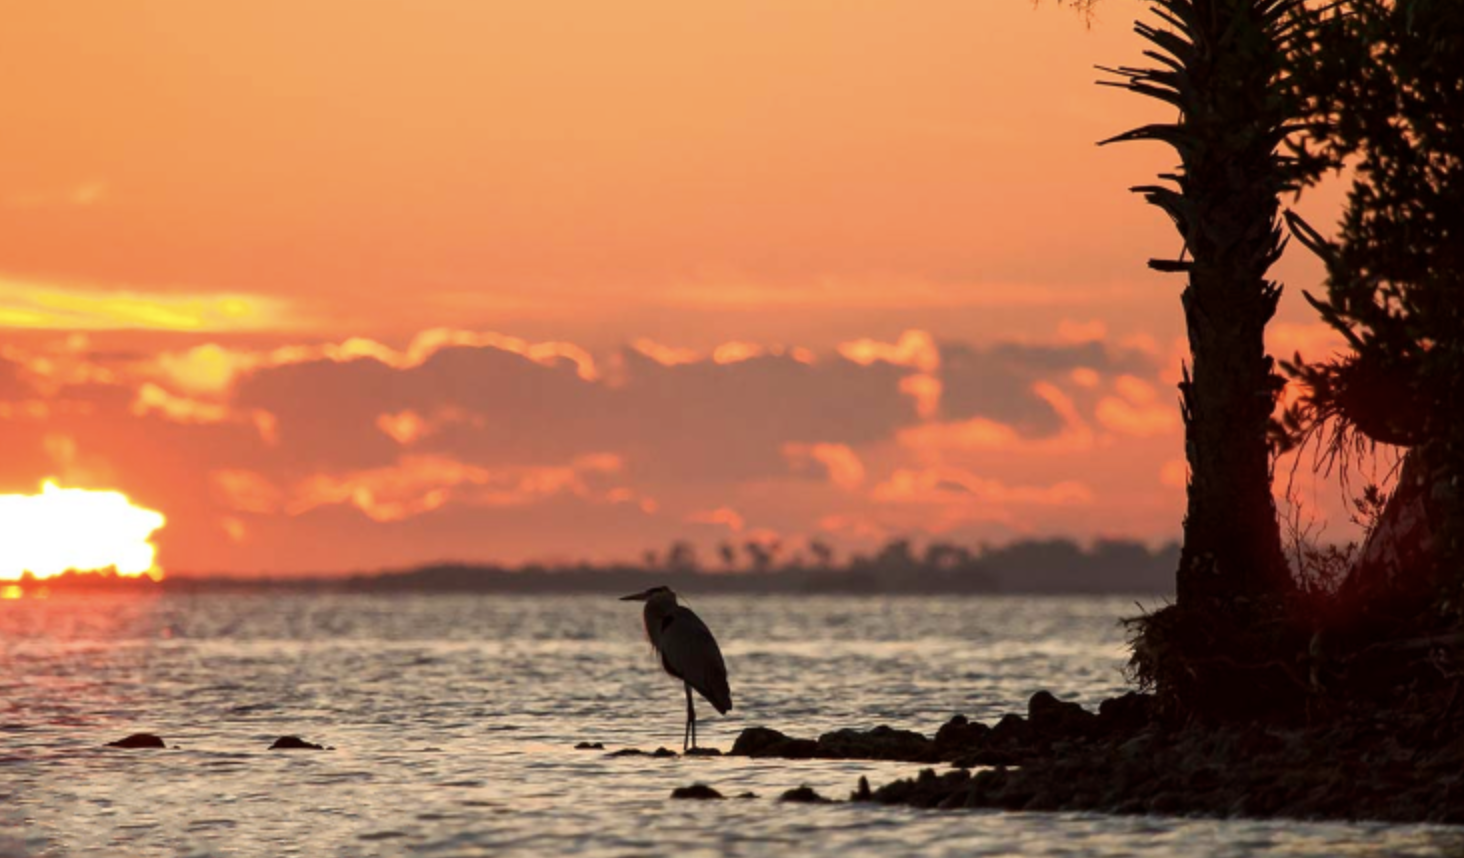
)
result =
(1047, 567)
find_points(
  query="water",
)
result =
(453, 720)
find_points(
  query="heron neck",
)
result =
(657, 609)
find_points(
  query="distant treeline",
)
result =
(1030, 566)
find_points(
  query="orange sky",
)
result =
(353, 283)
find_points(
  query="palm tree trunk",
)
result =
(1221, 65)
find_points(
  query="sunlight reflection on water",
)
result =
(453, 720)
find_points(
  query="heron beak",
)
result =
(636, 597)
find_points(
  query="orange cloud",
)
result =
(180, 409)
(980, 433)
(925, 390)
(206, 369)
(404, 427)
(152, 399)
(663, 354)
(1142, 421)
(914, 349)
(58, 364)
(844, 468)
(927, 485)
(725, 516)
(420, 484)
(246, 491)
(212, 368)
(1085, 377)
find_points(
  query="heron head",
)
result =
(647, 595)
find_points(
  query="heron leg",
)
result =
(690, 734)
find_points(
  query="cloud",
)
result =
(107, 307)
(943, 485)
(724, 516)
(415, 485)
(1136, 410)
(841, 463)
(267, 455)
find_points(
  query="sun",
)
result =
(82, 530)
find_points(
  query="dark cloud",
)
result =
(996, 382)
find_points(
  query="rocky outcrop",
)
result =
(1011, 741)
(700, 792)
(138, 740)
(1353, 769)
(804, 794)
(294, 743)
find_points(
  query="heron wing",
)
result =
(690, 653)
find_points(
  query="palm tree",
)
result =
(1222, 65)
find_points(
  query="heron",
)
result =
(688, 652)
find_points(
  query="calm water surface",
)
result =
(453, 720)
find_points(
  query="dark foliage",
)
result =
(1384, 82)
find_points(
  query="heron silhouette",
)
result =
(688, 652)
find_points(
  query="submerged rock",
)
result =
(294, 743)
(696, 791)
(664, 752)
(805, 795)
(138, 740)
(704, 752)
(590, 746)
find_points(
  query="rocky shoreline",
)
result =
(1402, 764)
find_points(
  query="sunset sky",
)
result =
(346, 284)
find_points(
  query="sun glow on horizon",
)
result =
(69, 529)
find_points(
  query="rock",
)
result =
(1127, 714)
(1011, 730)
(696, 791)
(1051, 718)
(881, 743)
(862, 793)
(637, 752)
(926, 790)
(747, 795)
(138, 740)
(1138, 747)
(590, 746)
(804, 794)
(704, 752)
(294, 743)
(959, 736)
(765, 742)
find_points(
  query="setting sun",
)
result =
(64, 529)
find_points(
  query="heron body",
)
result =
(688, 651)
